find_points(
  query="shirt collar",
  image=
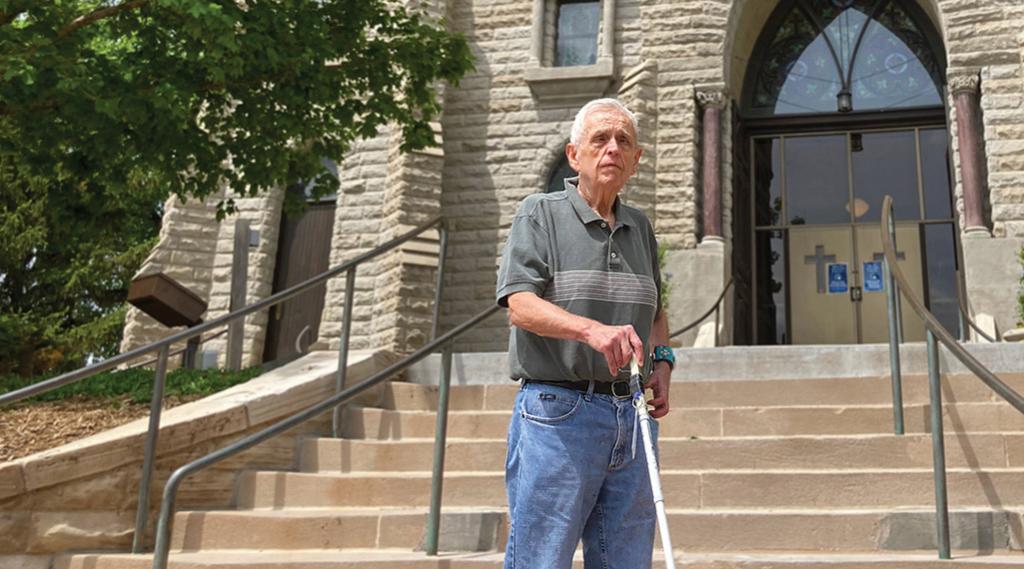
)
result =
(583, 209)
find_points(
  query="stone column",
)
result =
(964, 88)
(712, 101)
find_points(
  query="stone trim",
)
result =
(964, 81)
(712, 97)
(569, 85)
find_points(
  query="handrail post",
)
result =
(938, 449)
(439, 289)
(346, 331)
(893, 308)
(440, 436)
(155, 406)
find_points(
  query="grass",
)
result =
(135, 385)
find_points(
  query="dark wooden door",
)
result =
(303, 252)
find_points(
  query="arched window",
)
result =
(561, 171)
(824, 56)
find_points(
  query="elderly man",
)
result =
(580, 279)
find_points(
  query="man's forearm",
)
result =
(659, 330)
(534, 314)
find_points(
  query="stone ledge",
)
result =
(272, 395)
(570, 85)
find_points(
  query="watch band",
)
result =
(665, 354)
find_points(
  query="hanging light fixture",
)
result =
(844, 101)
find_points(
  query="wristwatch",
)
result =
(664, 354)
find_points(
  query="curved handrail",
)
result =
(702, 317)
(933, 324)
(164, 523)
(82, 373)
(936, 333)
(967, 317)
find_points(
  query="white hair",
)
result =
(577, 125)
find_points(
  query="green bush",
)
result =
(136, 385)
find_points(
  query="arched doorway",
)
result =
(559, 172)
(842, 104)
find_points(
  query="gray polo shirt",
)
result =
(562, 251)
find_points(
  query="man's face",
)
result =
(607, 153)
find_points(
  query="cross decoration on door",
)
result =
(820, 259)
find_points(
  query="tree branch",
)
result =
(100, 14)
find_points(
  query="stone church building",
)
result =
(771, 128)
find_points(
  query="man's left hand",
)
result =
(659, 382)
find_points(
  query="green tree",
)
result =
(108, 106)
(68, 255)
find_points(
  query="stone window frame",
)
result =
(572, 84)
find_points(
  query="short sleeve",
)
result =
(525, 263)
(655, 264)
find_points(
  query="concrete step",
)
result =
(759, 363)
(397, 559)
(990, 488)
(474, 529)
(743, 393)
(753, 453)
(464, 529)
(382, 424)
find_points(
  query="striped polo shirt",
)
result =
(562, 251)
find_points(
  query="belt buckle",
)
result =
(615, 392)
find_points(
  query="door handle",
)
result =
(856, 294)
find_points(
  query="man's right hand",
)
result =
(616, 343)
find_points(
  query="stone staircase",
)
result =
(758, 474)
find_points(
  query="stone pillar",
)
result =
(964, 88)
(712, 101)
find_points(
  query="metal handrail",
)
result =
(714, 308)
(936, 333)
(165, 523)
(967, 317)
(162, 347)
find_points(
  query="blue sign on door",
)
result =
(838, 278)
(873, 276)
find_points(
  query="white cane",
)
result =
(640, 403)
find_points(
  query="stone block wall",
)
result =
(985, 36)
(500, 146)
(185, 252)
(264, 215)
(358, 225)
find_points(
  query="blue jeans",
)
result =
(570, 474)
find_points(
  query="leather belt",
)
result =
(618, 388)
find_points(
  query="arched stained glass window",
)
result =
(823, 56)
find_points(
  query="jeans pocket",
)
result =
(551, 406)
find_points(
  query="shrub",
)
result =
(136, 385)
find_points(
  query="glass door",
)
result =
(816, 204)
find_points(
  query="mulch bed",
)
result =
(28, 429)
